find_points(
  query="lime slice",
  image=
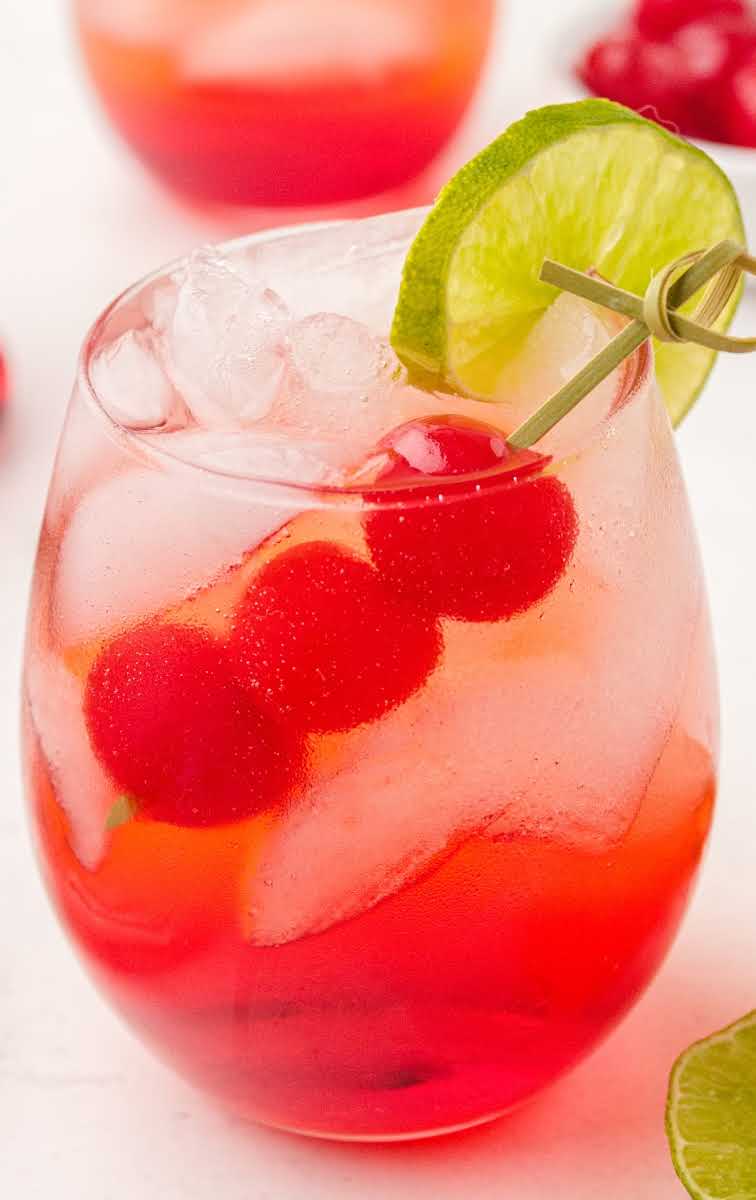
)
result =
(711, 1114)
(590, 184)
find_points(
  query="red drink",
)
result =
(451, 1001)
(371, 804)
(256, 102)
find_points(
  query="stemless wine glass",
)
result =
(369, 784)
(285, 102)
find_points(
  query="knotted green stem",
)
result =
(654, 314)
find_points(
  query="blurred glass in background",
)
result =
(285, 102)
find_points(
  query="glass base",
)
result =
(416, 1136)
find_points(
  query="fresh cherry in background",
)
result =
(680, 63)
(642, 75)
(658, 19)
(740, 109)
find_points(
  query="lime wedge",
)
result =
(590, 184)
(711, 1114)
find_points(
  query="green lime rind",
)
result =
(590, 184)
(711, 1114)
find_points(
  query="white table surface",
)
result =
(85, 1113)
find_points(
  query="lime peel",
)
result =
(711, 1114)
(122, 811)
(569, 182)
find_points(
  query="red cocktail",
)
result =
(370, 760)
(285, 102)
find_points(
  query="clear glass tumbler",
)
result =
(370, 764)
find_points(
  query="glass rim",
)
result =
(634, 375)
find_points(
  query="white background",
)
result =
(85, 1113)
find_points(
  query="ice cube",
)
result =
(349, 267)
(131, 384)
(139, 22)
(685, 776)
(334, 354)
(279, 42)
(225, 345)
(379, 812)
(84, 792)
(352, 414)
(158, 301)
(337, 388)
(550, 726)
(255, 454)
(146, 538)
(569, 334)
(638, 575)
(505, 742)
(88, 451)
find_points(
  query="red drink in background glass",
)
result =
(285, 102)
